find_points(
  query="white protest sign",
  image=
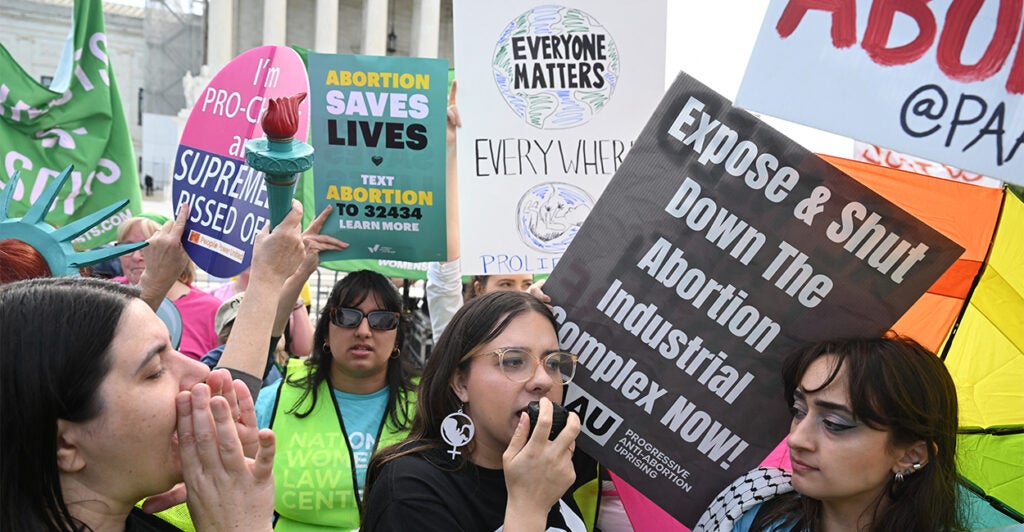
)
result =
(551, 99)
(941, 80)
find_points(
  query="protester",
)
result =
(19, 260)
(353, 395)
(197, 308)
(872, 443)
(445, 291)
(104, 421)
(103, 412)
(298, 332)
(468, 463)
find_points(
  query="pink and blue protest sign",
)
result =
(229, 198)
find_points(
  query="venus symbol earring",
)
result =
(457, 430)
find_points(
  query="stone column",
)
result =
(375, 27)
(326, 41)
(275, 21)
(426, 27)
(220, 33)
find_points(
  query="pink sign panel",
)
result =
(227, 197)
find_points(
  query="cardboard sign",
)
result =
(551, 99)
(718, 248)
(379, 126)
(227, 197)
(941, 80)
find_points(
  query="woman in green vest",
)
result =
(330, 412)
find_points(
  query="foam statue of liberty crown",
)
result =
(54, 244)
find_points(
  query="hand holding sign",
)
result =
(165, 259)
(279, 253)
(454, 120)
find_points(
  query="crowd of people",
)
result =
(350, 433)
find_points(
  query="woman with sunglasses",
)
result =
(470, 462)
(331, 411)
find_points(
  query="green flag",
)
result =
(78, 121)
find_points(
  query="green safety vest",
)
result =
(314, 469)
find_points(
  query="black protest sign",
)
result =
(718, 248)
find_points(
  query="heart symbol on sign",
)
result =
(377, 159)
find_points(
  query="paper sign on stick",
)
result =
(227, 197)
(718, 248)
(941, 80)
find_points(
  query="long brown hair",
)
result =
(895, 384)
(479, 321)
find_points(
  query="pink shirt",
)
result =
(197, 310)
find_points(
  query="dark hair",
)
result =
(19, 260)
(479, 321)
(895, 384)
(351, 291)
(56, 334)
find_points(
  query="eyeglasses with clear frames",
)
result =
(515, 364)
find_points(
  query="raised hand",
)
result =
(226, 490)
(165, 259)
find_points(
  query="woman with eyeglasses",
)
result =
(470, 462)
(331, 411)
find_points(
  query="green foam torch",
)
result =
(280, 156)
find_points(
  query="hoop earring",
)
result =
(327, 347)
(396, 352)
(457, 430)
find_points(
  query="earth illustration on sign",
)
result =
(550, 214)
(556, 66)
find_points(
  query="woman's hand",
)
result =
(243, 411)
(537, 290)
(226, 490)
(454, 120)
(276, 254)
(313, 243)
(538, 471)
(165, 259)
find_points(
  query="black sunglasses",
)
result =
(350, 318)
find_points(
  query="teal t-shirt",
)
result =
(362, 414)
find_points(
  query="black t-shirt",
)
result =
(422, 492)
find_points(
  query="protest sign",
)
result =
(379, 135)
(551, 98)
(719, 247)
(941, 80)
(79, 120)
(228, 198)
(871, 153)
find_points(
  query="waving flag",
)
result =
(78, 121)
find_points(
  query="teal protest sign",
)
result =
(378, 128)
(78, 121)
